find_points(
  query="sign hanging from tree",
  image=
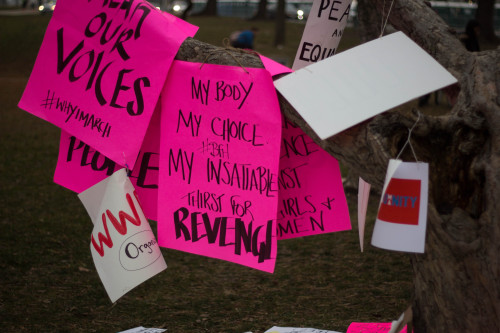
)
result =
(124, 248)
(219, 157)
(100, 70)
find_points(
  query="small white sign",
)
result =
(324, 29)
(402, 216)
(124, 248)
(350, 87)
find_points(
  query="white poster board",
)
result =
(142, 329)
(402, 217)
(352, 86)
(124, 248)
(324, 28)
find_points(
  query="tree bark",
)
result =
(210, 8)
(456, 286)
(279, 33)
(485, 16)
(369, 20)
(187, 11)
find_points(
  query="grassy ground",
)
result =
(48, 281)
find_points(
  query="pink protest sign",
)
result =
(274, 67)
(100, 70)
(371, 328)
(219, 157)
(311, 195)
(79, 166)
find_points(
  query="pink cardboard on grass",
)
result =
(371, 328)
(311, 194)
(79, 166)
(218, 193)
(100, 70)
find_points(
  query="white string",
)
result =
(408, 141)
(382, 21)
(387, 18)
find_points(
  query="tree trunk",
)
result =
(164, 5)
(485, 16)
(210, 8)
(369, 20)
(261, 11)
(187, 11)
(279, 34)
(456, 286)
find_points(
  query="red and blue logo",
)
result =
(401, 202)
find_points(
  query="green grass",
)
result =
(48, 279)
